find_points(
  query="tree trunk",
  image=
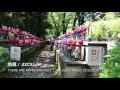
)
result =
(82, 17)
(75, 19)
(63, 23)
(55, 24)
(78, 17)
(2, 18)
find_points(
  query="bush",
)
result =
(111, 67)
(3, 59)
(106, 29)
(111, 15)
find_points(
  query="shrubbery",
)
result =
(106, 29)
(4, 58)
(111, 67)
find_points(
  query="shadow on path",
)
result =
(44, 68)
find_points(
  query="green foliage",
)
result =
(111, 15)
(3, 59)
(108, 29)
(60, 21)
(111, 67)
(106, 26)
(94, 16)
(34, 22)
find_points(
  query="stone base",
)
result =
(76, 69)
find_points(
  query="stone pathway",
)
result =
(45, 66)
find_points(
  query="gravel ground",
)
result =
(45, 66)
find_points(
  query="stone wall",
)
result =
(75, 69)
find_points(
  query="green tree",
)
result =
(60, 22)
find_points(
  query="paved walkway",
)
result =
(45, 68)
